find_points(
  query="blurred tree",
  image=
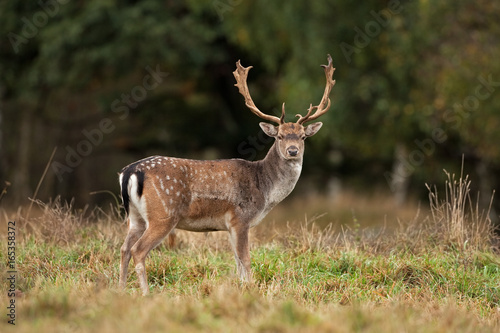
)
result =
(111, 81)
(447, 50)
(64, 65)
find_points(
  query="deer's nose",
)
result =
(292, 151)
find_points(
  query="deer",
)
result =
(161, 194)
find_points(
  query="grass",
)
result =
(433, 274)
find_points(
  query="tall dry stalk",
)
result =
(458, 220)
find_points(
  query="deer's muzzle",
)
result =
(292, 151)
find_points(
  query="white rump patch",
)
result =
(138, 202)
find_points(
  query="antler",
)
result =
(240, 74)
(324, 105)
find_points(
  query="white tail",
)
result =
(162, 193)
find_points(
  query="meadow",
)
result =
(436, 271)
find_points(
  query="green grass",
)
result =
(417, 279)
(73, 287)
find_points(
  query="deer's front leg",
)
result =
(238, 236)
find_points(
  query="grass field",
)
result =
(439, 273)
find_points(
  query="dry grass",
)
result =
(435, 273)
(348, 208)
(458, 219)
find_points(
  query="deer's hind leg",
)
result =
(157, 230)
(136, 227)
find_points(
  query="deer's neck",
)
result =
(280, 175)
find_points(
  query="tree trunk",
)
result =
(21, 178)
(401, 174)
(20, 184)
(2, 151)
(486, 182)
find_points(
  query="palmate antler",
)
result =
(240, 74)
(324, 105)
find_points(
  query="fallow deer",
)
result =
(163, 193)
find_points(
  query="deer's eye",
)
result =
(280, 137)
(303, 137)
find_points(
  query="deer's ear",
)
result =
(269, 129)
(313, 128)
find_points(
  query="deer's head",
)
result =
(289, 136)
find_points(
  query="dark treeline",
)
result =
(108, 82)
